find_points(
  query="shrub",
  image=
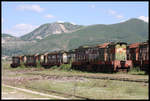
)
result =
(136, 70)
(38, 64)
(22, 65)
(66, 67)
(54, 67)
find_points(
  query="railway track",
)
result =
(33, 92)
(56, 92)
(92, 77)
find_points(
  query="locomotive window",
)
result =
(49, 57)
(15, 60)
(53, 57)
(57, 56)
(30, 59)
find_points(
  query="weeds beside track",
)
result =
(93, 77)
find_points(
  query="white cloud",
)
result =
(34, 7)
(144, 18)
(73, 23)
(60, 21)
(125, 19)
(111, 12)
(21, 29)
(115, 14)
(119, 16)
(49, 16)
(92, 6)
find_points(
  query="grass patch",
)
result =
(38, 65)
(96, 89)
(66, 67)
(91, 88)
(22, 65)
(6, 64)
(136, 71)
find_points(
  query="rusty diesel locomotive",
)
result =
(106, 57)
(144, 56)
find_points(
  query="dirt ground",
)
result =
(19, 77)
(9, 93)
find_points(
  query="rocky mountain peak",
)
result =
(50, 29)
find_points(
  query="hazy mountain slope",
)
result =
(12, 45)
(6, 35)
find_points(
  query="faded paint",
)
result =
(121, 52)
(64, 57)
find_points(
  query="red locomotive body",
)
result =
(15, 61)
(134, 54)
(113, 57)
(81, 58)
(30, 60)
(107, 57)
(144, 56)
(54, 58)
(39, 58)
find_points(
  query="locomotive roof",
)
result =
(144, 43)
(104, 45)
(73, 50)
(134, 45)
(15, 56)
(83, 47)
(57, 52)
(30, 55)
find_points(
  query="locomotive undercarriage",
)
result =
(145, 67)
(30, 64)
(15, 65)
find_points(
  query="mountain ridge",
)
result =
(130, 31)
(48, 29)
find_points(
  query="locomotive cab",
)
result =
(30, 60)
(15, 62)
(121, 61)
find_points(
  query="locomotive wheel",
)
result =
(111, 69)
(75, 67)
(99, 68)
(94, 68)
(128, 69)
(88, 68)
(117, 69)
(103, 67)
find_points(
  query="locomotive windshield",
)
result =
(16, 60)
(30, 60)
(121, 52)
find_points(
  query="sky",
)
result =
(20, 18)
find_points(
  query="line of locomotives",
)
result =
(106, 57)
